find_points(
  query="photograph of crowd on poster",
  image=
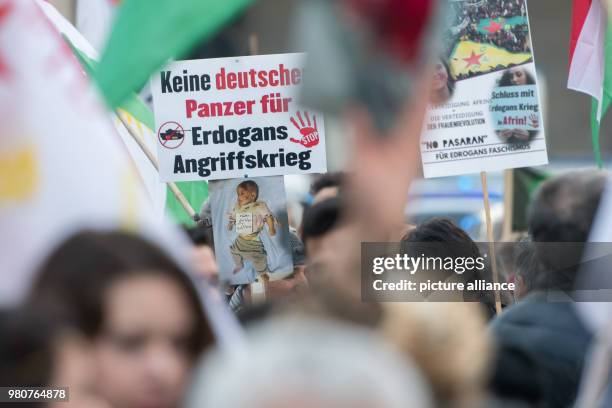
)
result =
(494, 34)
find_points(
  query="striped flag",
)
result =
(146, 33)
(60, 172)
(135, 112)
(140, 118)
(62, 167)
(591, 61)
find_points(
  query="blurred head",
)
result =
(525, 268)
(289, 366)
(38, 350)
(247, 192)
(438, 230)
(448, 341)
(139, 309)
(319, 221)
(326, 186)
(564, 206)
(560, 219)
(443, 238)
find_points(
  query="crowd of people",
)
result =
(122, 322)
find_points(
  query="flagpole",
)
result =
(491, 239)
(145, 149)
(253, 44)
(508, 204)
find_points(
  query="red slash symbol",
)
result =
(308, 130)
(171, 135)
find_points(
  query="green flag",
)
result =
(196, 193)
(146, 33)
(132, 104)
(597, 111)
(524, 183)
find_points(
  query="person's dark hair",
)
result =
(438, 230)
(333, 179)
(249, 185)
(453, 242)
(564, 206)
(526, 263)
(200, 235)
(321, 218)
(506, 78)
(562, 211)
(28, 336)
(76, 277)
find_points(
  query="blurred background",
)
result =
(566, 113)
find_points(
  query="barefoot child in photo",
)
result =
(250, 217)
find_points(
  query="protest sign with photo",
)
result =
(485, 112)
(235, 117)
(251, 229)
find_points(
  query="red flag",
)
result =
(399, 24)
(580, 10)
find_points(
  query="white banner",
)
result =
(485, 112)
(235, 117)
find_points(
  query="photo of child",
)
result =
(250, 229)
(249, 217)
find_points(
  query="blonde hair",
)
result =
(449, 342)
(322, 363)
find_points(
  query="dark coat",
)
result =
(541, 346)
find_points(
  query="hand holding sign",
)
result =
(308, 130)
(232, 221)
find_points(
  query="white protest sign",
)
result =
(235, 117)
(485, 112)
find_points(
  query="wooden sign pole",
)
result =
(508, 204)
(491, 239)
(175, 190)
(260, 295)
